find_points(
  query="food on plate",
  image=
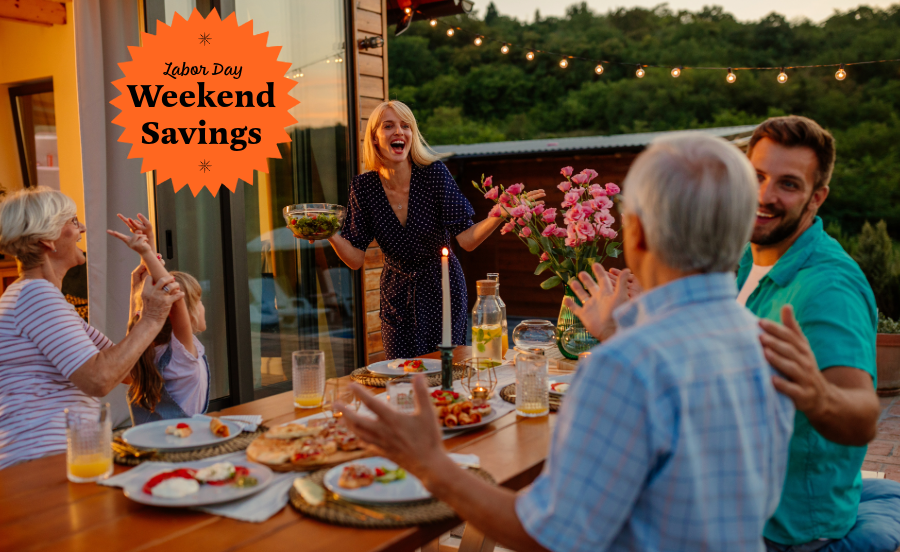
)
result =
(314, 226)
(303, 446)
(454, 411)
(218, 428)
(409, 366)
(384, 474)
(356, 476)
(185, 481)
(181, 430)
(175, 487)
(294, 431)
(312, 492)
(219, 471)
(559, 387)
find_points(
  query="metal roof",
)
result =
(582, 143)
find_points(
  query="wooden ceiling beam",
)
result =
(42, 12)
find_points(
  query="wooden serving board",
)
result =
(332, 460)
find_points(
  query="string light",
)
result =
(640, 72)
(433, 22)
(504, 49)
(730, 77)
(450, 31)
(563, 63)
(407, 10)
(529, 56)
(676, 72)
(841, 74)
(599, 69)
(782, 77)
(478, 41)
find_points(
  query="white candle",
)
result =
(445, 284)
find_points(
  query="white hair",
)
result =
(696, 196)
(29, 216)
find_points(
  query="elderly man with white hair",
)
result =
(672, 436)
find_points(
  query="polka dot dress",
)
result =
(411, 303)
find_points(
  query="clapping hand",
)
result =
(598, 300)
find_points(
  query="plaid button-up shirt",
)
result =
(671, 437)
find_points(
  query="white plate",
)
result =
(432, 366)
(152, 435)
(208, 494)
(484, 421)
(409, 489)
(566, 378)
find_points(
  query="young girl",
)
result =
(171, 379)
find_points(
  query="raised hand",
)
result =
(158, 298)
(634, 287)
(598, 300)
(137, 242)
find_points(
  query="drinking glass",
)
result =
(402, 396)
(308, 378)
(532, 385)
(88, 443)
(338, 390)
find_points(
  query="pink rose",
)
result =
(521, 222)
(527, 216)
(519, 211)
(580, 179)
(560, 232)
(585, 230)
(538, 209)
(508, 227)
(564, 186)
(504, 198)
(545, 257)
(574, 214)
(596, 190)
(607, 232)
(525, 232)
(493, 193)
(589, 207)
(612, 189)
(549, 215)
(603, 202)
(489, 182)
(516, 189)
(549, 231)
(496, 211)
(572, 239)
(603, 217)
(566, 171)
(571, 199)
(590, 173)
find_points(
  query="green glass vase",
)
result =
(571, 336)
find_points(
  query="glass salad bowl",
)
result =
(314, 221)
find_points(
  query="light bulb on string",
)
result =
(599, 69)
(504, 49)
(841, 74)
(676, 72)
(782, 77)
(407, 10)
(563, 63)
(730, 77)
(433, 22)
(450, 32)
(529, 56)
(478, 41)
(640, 72)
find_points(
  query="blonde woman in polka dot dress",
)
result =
(411, 205)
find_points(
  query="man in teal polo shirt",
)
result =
(792, 261)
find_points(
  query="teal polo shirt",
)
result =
(835, 307)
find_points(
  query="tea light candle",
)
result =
(447, 337)
(480, 393)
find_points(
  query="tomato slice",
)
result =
(184, 473)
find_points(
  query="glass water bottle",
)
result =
(487, 323)
(495, 277)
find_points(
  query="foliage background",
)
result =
(467, 94)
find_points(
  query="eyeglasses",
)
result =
(76, 222)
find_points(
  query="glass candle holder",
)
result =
(532, 385)
(88, 443)
(479, 378)
(308, 372)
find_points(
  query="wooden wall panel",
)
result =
(372, 66)
(368, 22)
(367, 105)
(370, 5)
(372, 87)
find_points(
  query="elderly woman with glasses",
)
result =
(51, 359)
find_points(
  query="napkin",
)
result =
(248, 423)
(256, 508)
(465, 460)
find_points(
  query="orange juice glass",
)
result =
(308, 372)
(88, 443)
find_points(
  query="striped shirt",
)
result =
(672, 436)
(43, 342)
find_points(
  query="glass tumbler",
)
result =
(337, 390)
(88, 443)
(308, 378)
(402, 396)
(532, 385)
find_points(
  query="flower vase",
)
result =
(572, 337)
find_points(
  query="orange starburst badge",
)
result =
(204, 102)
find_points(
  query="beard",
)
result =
(785, 229)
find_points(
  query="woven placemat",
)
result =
(395, 515)
(365, 377)
(241, 442)
(508, 394)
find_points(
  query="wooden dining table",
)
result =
(41, 510)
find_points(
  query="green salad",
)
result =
(314, 226)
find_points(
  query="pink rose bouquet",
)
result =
(583, 237)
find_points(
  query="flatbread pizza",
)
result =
(305, 447)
